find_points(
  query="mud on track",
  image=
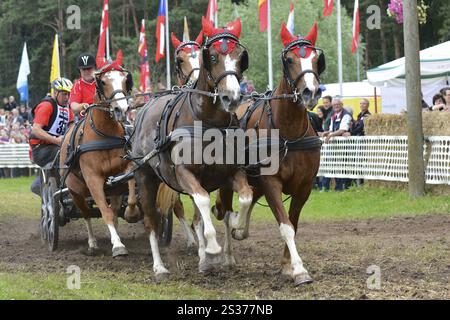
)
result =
(413, 255)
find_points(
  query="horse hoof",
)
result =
(230, 262)
(131, 216)
(119, 251)
(210, 262)
(302, 279)
(239, 234)
(162, 276)
(93, 251)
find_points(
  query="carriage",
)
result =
(58, 209)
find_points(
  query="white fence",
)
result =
(15, 156)
(383, 158)
(371, 158)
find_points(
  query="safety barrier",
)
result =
(15, 156)
(383, 158)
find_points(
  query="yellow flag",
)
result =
(55, 73)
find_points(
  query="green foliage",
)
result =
(36, 22)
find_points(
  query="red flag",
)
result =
(101, 51)
(145, 85)
(263, 12)
(355, 27)
(160, 30)
(212, 10)
(328, 8)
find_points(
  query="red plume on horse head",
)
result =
(105, 66)
(287, 37)
(199, 38)
(233, 27)
(175, 41)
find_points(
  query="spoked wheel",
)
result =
(165, 231)
(50, 215)
(44, 214)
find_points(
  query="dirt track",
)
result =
(413, 255)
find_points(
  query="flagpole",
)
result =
(358, 76)
(167, 47)
(339, 36)
(108, 57)
(269, 45)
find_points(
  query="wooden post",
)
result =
(413, 100)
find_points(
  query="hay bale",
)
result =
(434, 124)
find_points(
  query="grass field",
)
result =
(337, 243)
(356, 203)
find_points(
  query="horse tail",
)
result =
(166, 198)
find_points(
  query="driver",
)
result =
(51, 118)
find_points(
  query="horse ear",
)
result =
(286, 36)
(119, 58)
(175, 41)
(100, 62)
(312, 35)
(199, 39)
(235, 27)
(207, 27)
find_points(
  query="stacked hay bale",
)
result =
(434, 124)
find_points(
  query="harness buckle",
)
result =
(296, 94)
(216, 94)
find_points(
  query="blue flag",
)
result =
(22, 78)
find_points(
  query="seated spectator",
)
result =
(11, 104)
(438, 103)
(16, 118)
(358, 125)
(5, 103)
(327, 112)
(2, 117)
(4, 138)
(23, 112)
(446, 94)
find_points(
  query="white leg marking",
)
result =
(188, 232)
(238, 221)
(228, 249)
(203, 203)
(158, 266)
(201, 241)
(288, 234)
(115, 239)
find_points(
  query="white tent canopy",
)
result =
(390, 77)
(434, 63)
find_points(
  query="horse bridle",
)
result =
(99, 85)
(301, 43)
(207, 63)
(179, 70)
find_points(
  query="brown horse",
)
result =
(300, 148)
(213, 100)
(98, 141)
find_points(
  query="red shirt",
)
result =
(82, 92)
(42, 115)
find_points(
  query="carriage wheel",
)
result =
(44, 214)
(165, 231)
(53, 207)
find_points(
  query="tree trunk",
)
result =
(397, 45)
(415, 131)
(136, 23)
(384, 53)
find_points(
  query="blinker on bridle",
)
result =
(302, 44)
(225, 36)
(193, 54)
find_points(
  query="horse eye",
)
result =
(103, 83)
(290, 60)
(213, 58)
(180, 61)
